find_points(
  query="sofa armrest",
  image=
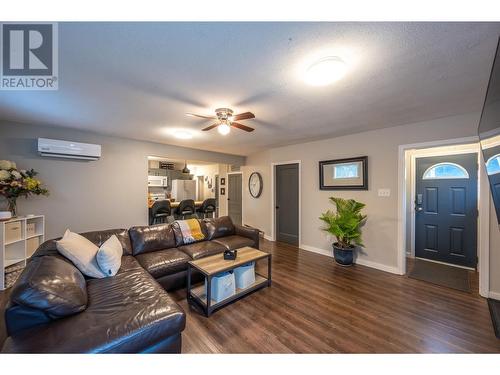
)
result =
(248, 232)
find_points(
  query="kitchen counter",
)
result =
(197, 204)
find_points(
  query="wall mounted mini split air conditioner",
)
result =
(68, 150)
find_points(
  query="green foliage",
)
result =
(345, 224)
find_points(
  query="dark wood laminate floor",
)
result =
(315, 306)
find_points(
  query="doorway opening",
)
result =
(442, 200)
(180, 189)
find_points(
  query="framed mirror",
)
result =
(489, 132)
(344, 174)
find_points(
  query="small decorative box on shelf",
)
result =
(19, 238)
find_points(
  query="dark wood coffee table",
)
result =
(215, 264)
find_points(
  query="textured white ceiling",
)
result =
(138, 79)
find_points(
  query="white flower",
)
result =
(13, 165)
(4, 175)
(5, 164)
(16, 175)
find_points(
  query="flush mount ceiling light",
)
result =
(224, 128)
(325, 71)
(182, 134)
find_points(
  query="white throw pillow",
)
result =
(109, 256)
(81, 252)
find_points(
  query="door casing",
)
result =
(404, 172)
(287, 212)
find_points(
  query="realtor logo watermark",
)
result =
(29, 56)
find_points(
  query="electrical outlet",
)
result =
(384, 193)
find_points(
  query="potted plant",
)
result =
(345, 225)
(16, 183)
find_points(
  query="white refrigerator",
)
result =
(183, 189)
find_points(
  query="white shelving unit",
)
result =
(19, 238)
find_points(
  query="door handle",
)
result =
(418, 208)
(277, 207)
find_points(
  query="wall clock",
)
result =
(255, 184)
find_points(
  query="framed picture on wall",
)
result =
(222, 191)
(344, 174)
(222, 181)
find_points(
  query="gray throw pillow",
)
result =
(109, 256)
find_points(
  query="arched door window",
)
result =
(493, 165)
(445, 171)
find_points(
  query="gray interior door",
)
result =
(446, 209)
(234, 198)
(287, 203)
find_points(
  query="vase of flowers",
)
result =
(16, 183)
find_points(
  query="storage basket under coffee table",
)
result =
(216, 264)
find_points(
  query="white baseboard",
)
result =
(362, 262)
(316, 250)
(378, 266)
(494, 295)
(267, 237)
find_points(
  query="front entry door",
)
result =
(234, 197)
(287, 203)
(446, 209)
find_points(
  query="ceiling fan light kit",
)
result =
(223, 128)
(226, 120)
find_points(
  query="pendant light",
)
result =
(185, 169)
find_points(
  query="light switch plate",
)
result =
(384, 192)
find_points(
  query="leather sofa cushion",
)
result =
(163, 262)
(152, 238)
(96, 237)
(202, 249)
(125, 314)
(51, 285)
(99, 237)
(234, 242)
(219, 227)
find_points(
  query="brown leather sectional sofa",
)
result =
(54, 308)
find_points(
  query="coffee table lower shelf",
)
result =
(198, 294)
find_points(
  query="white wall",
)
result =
(223, 169)
(381, 147)
(109, 193)
(494, 253)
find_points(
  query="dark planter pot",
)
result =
(344, 257)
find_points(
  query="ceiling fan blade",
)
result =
(243, 116)
(201, 116)
(242, 127)
(210, 127)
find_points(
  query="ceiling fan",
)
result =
(226, 120)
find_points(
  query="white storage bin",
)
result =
(223, 286)
(245, 275)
